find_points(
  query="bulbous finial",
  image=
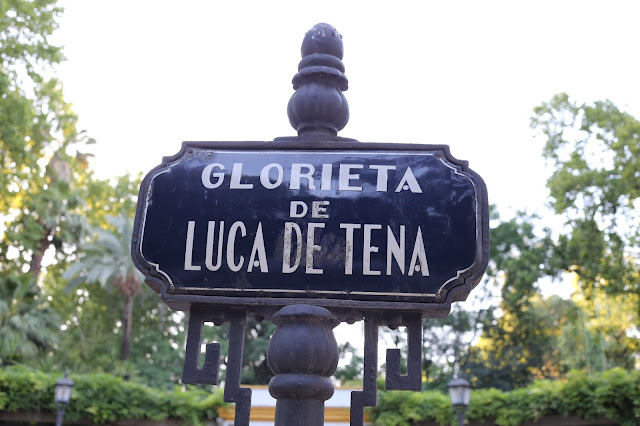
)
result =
(318, 109)
(324, 39)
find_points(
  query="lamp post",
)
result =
(460, 394)
(62, 396)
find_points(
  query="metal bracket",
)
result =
(233, 392)
(413, 379)
(394, 380)
(368, 396)
(208, 373)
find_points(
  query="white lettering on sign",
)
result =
(420, 255)
(188, 251)
(304, 176)
(368, 249)
(327, 172)
(318, 211)
(207, 175)
(225, 246)
(289, 227)
(258, 249)
(297, 175)
(394, 249)
(298, 209)
(236, 175)
(383, 176)
(409, 182)
(264, 176)
(208, 261)
(348, 255)
(231, 244)
(241, 246)
(311, 247)
(345, 177)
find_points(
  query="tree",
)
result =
(106, 260)
(447, 342)
(473, 339)
(28, 325)
(256, 342)
(595, 154)
(353, 368)
(517, 349)
(38, 196)
(594, 150)
(601, 332)
(517, 342)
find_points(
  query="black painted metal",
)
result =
(302, 354)
(394, 379)
(192, 254)
(60, 414)
(179, 297)
(232, 390)
(413, 379)
(368, 396)
(460, 412)
(208, 373)
(318, 109)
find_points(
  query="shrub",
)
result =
(614, 394)
(103, 398)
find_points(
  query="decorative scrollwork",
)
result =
(208, 373)
(413, 379)
(232, 390)
(368, 396)
(394, 379)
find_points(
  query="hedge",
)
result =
(103, 398)
(613, 395)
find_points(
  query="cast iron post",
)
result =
(176, 256)
(302, 354)
(318, 109)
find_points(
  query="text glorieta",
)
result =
(303, 175)
(300, 246)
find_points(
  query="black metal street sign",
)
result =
(341, 223)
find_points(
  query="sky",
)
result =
(146, 75)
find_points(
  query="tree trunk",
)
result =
(35, 266)
(127, 316)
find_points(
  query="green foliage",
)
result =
(579, 346)
(519, 255)
(595, 152)
(614, 395)
(105, 260)
(400, 408)
(103, 398)
(40, 201)
(517, 349)
(447, 342)
(518, 342)
(27, 324)
(254, 358)
(352, 371)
